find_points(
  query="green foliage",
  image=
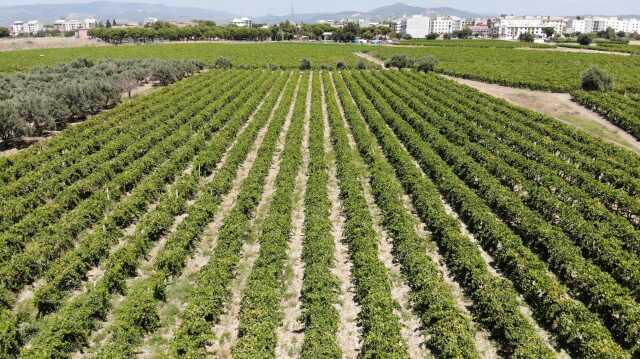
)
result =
(526, 37)
(222, 63)
(594, 79)
(426, 64)
(305, 64)
(4, 32)
(584, 39)
(399, 62)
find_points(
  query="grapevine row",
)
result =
(211, 292)
(319, 286)
(260, 310)
(380, 326)
(78, 318)
(500, 316)
(24, 267)
(583, 277)
(597, 240)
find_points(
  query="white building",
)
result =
(17, 28)
(150, 21)
(23, 28)
(559, 24)
(418, 26)
(445, 24)
(577, 25)
(68, 25)
(630, 26)
(511, 27)
(242, 22)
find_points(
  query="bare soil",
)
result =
(559, 106)
(47, 43)
(372, 59)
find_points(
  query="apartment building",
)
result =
(68, 25)
(23, 28)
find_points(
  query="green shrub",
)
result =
(223, 63)
(305, 64)
(399, 62)
(594, 79)
(426, 64)
(584, 39)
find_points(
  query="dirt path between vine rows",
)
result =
(371, 58)
(559, 106)
(226, 330)
(156, 343)
(348, 335)
(291, 332)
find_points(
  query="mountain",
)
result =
(375, 15)
(120, 11)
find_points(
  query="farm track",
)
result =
(335, 214)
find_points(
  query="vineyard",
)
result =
(319, 214)
(544, 70)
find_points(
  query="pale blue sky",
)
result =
(278, 7)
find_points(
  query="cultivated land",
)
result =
(254, 213)
(287, 55)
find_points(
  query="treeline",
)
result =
(48, 98)
(207, 30)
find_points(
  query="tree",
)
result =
(108, 25)
(584, 39)
(433, 36)
(526, 37)
(426, 64)
(548, 31)
(4, 32)
(621, 34)
(113, 23)
(361, 65)
(464, 33)
(305, 64)
(595, 79)
(611, 33)
(399, 62)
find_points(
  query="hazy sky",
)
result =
(278, 7)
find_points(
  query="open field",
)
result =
(46, 43)
(320, 214)
(538, 70)
(254, 54)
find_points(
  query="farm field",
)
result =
(544, 70)
(319, 214)
(287, 55)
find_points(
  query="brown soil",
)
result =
(559, 106)
(372, 59)
(46, 43)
